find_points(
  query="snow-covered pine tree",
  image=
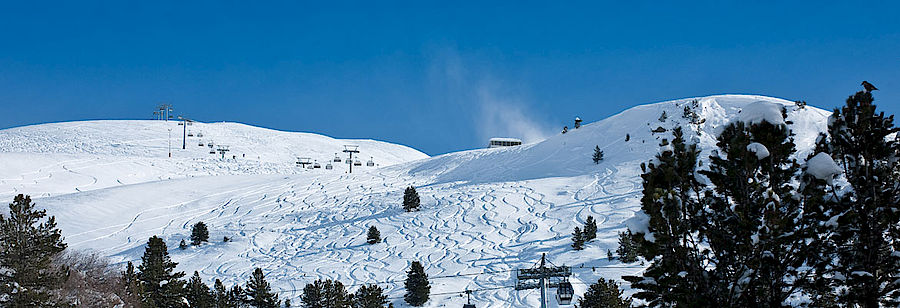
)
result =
(28, 243)
(410, 199)
(590, 229)
(598, 155)
(604, 294)
(199, 233)
(369, 296)
(259, 293)
(373, 236)
(867, 231)
(577, 239)
(198, 294)
(671, 201)
(755, 223)
(161, 285)
(417, 287)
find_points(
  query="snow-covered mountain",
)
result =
(484, 212)
(59, 158)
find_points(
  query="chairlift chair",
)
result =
(328, 166)
(211, 151)
(357, 163)
(370, 163)
(201, 144)
(190, 134)
(199, 135)
(316, 165)
(348, 162)
(337, 158)
(564, 293)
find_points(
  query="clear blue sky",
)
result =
(439, 78)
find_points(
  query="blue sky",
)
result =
(439, 78)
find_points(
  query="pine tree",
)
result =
(369, 296)
(609, 255)
(410, 199)
(373, 236)
(627, 137)
(755, 223)
(237, 296)
(663, 116)
(578, 239)
(220, 293)
(867, 232)
(598, 155)
(325, 294)
(199, 233)
(161, 286)
(28, 244)
(131, 282)
(672, 203)
(198, 294)
(627, 249)
(417, 287)
(604, 294)
(287, 303)
(182, 245)
(590, 229)
(259, 293)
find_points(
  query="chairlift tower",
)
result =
(350, 149)
(170, 142)
(542, 277)
(163, 111)
(184, 122)
(222, 149)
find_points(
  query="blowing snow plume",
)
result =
(505, 117)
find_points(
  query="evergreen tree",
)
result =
(28, 244)
(160, 285)
(598, 155)
(577, 239)
(627, 137)
(663, 116)
(198, 294)
(410, 199)
(609, 255)
(182, 245)
(604, 294)
(590, 228)
(756, 227)
(287, 303)
(259, 293)
(199, 233)
(672, 203)
(131, 282)
(627, 249)
(369, 296)
(417, 287)
(325, 294)
(867, 234)
(220, 293)
(237, 297)
(373, 236)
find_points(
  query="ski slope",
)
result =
(59, 158)
(484, 212)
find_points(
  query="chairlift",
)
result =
(337, 158)
(211, 151)
(348, 162)
(564, 293)
(328, 166)
(370, 163)
(200, 135)
(357, 163)
(190, 134)
(468, 303)
(316, 165)
(201, 144)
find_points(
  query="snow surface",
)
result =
(59, 158)
(484, 212)
(762, 111)
(822, 167)
(759, 149)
